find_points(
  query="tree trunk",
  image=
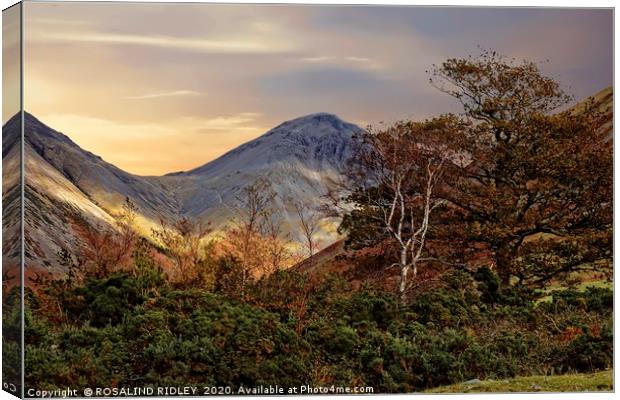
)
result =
(504, 259)
(243, 279)
(404, 270)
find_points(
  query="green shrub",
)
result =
(136, 330)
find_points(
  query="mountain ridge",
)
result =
(32, 120)
(63, 180)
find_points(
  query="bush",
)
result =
(137, 330)
(104, 301)
(456, 304)
(588, 352)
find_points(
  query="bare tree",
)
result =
(107, 248)
(183, 239)
(402, 167)
(278, 251)
(309, 222)
(125, 221)
(254, 210)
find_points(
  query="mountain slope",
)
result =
(11, 200)
(602, 102)
(298, 158)
(104, 183)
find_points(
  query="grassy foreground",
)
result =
(596, 382)
(580, 287)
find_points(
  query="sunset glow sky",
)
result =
(156, 88)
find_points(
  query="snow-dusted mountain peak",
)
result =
(315, 125)
(315, 139)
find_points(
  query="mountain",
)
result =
(11, 201)
(602, 102)
(62, 181)
(298, 158)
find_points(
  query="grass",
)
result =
(595, 382)
(587, 280)
(580, 287)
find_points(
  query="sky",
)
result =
(156, 88)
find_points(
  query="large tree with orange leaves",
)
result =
(537, 187)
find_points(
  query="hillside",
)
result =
(299, 158)
(603, 102)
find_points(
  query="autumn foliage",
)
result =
(525, 182)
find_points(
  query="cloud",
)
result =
(358, 59)
(351, 62)
(365, 62)
(223, 45)
(241, 121)
(321, 80)
(165, 94)
(314, 59)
